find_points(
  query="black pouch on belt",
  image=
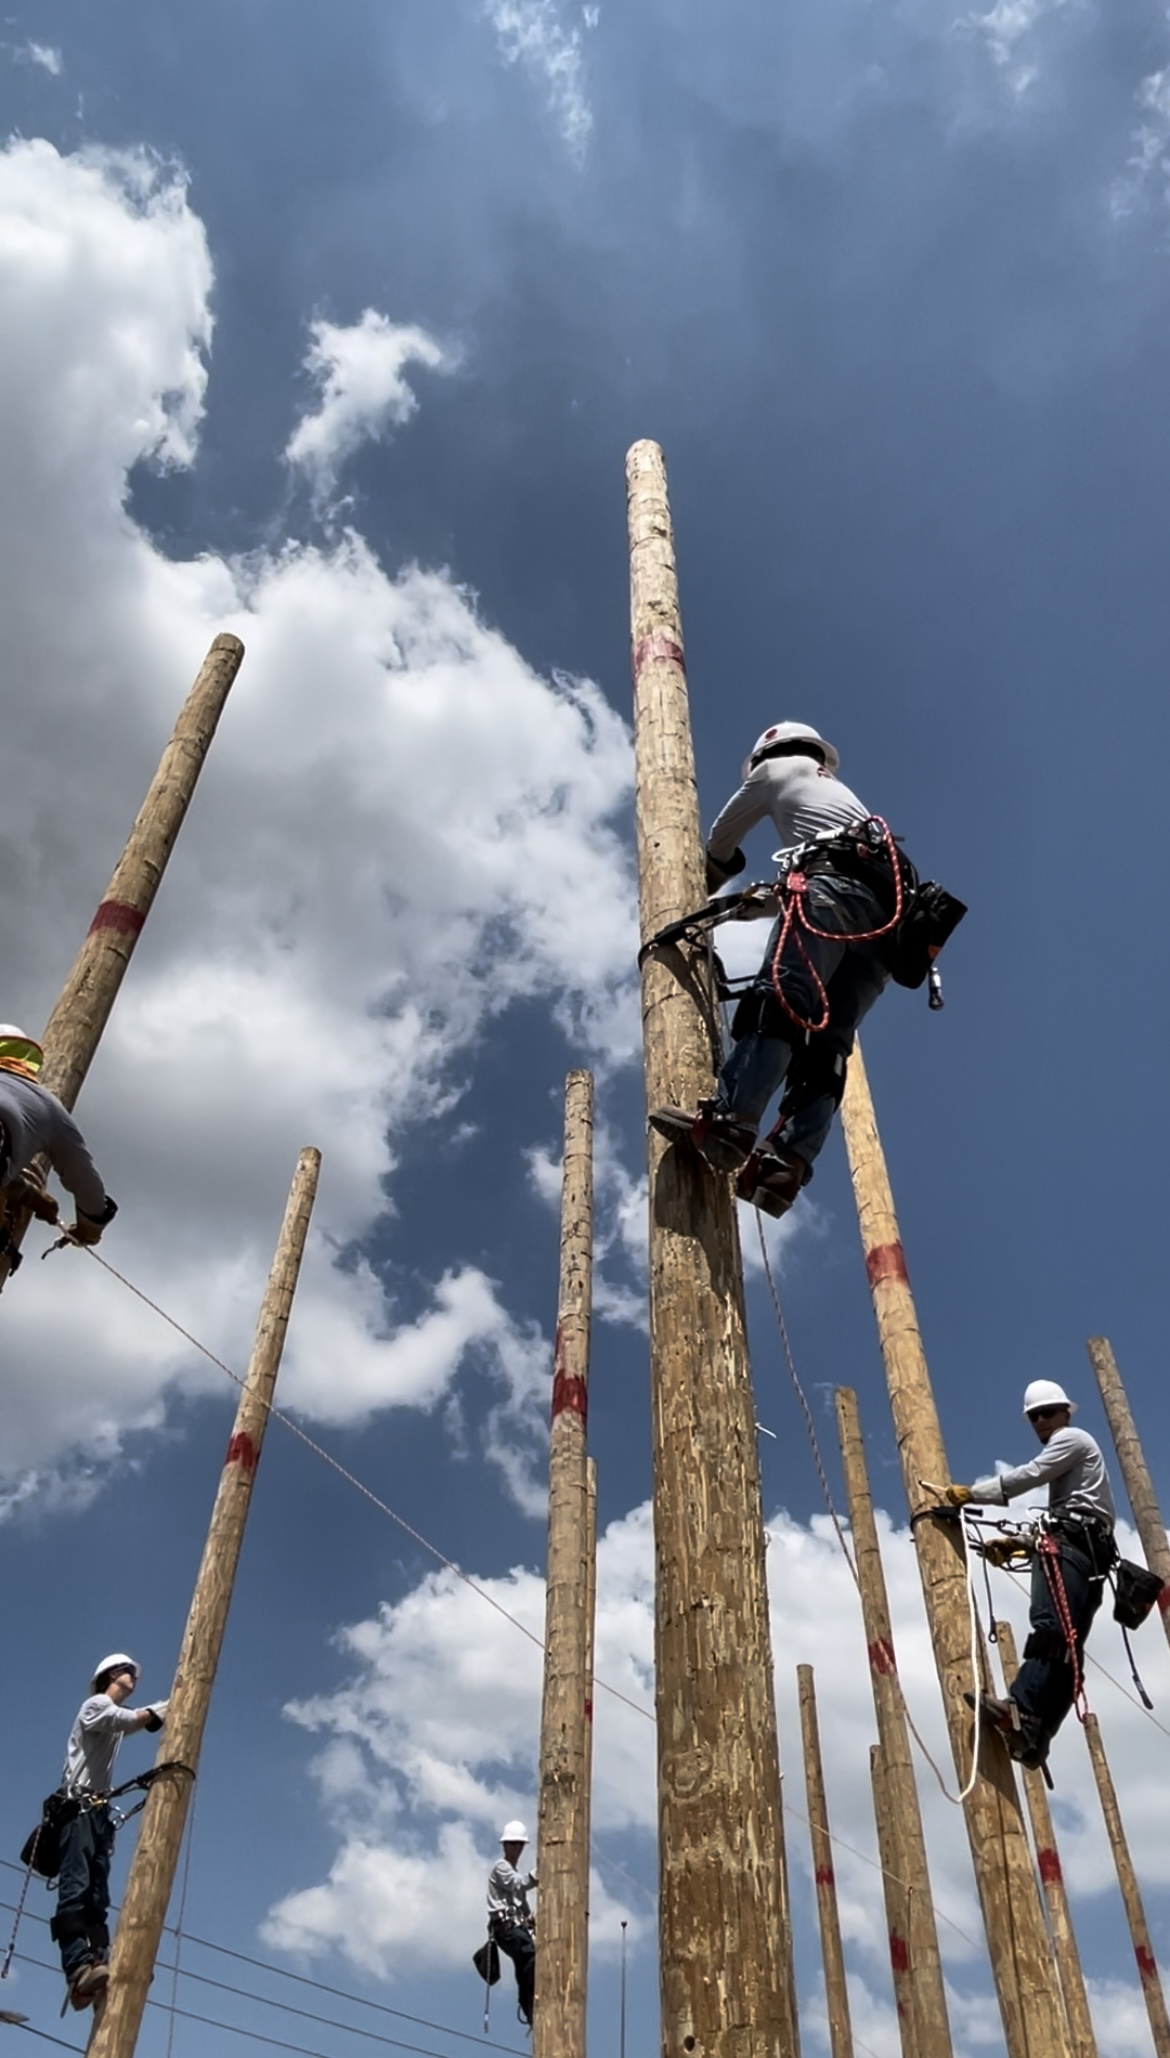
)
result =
(1134, 1592)
(929, 916)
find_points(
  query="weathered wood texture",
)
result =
(1060, 1924)
(916, 1946)
(720, 1831)
(824, 1876)
(74, 1028)
(1135, 1914)
(892, 1853)
(562, 1849)
(152, 1869)
(1135, 1472)
(1021, 1960)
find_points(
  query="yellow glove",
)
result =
(958, 1496)
(28, 1192)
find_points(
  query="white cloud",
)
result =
(1150, 155)
(364, 394)
(401, 830)
(434, 1738)
(45, 55)
(1009, 30)
(534, 33)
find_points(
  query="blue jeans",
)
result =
(83, 1890)
(1043, 1686)
(853, 976)
(518, 1944)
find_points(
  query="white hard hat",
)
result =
(790, 732)
(116, 1662)
(513, 1833)
(1045, 1393)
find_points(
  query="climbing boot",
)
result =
(1002, 1715)
(88, 1985)
(718, 1136)
(771, 1179)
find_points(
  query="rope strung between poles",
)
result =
(277, 1415)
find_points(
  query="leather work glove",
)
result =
(28, 1192)
(1001, 1550)
(720, 870)
(958, 1496)
(156, 1715)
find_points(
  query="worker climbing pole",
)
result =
(152, 1869)
(720, 1827)
(566, 1729)
(74, 1028)
(1021, 1960)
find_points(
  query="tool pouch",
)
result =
(929, 916)
(1134, 1592)
(41, 1850)
(487, 1962)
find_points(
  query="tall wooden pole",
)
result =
(824, 1877)
(562, 1842)
(1135, 1914)
(720, 1829)
(788, 1950)
(152, 1869)
(1021, 1961)
(891, 1852)
(917, 1944)
(74, 1028)
(1134, 1470)
(1064, 1942)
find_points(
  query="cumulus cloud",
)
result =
(434, 1738)
(534, 33)
(1009, 30)
(364, 393)
(401, 831)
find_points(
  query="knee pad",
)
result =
(759, 1013)
(69, 1928)
(1046, 1644)
(817, 1069)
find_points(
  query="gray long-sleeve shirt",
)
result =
(507, 1894)
(1071, 1466)
(37, 1122)
(93, 1744)
(801, 797)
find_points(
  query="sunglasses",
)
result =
(1042, 1414)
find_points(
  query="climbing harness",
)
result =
(41, 1850)
(923, 917)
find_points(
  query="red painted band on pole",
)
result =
(823, 1876)
(886, 1261)
(588, 1711)
(242, 1451)
(1049, 1864)
(899, 1953)
(569, 1392)
(1147, 1964)
(881, 1656)
(658, 645)
(1164, 1601)
(117, 914)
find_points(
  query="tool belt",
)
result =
(1094, 1538)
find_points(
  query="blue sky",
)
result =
(332, 327)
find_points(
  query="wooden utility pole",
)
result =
(916, 1945)
(1064, 1942)
(824, 1877)
(787, 1947)
(562, 1843)
(891, 1853)
(1134, 1470)
(1021, 1960)
(720, 1829)
(1135, 1914)
(152, 1868)
(74, 1028)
